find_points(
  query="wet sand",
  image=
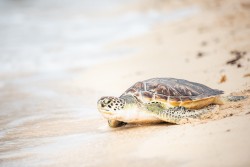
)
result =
(49, 118)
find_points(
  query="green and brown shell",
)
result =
(174, 92)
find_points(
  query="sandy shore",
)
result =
(211, 47)
(196, 49)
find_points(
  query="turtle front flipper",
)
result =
(116, 123)
(177, 115)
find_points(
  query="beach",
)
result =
(56, 64)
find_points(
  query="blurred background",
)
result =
(57, 58)
(42, 36)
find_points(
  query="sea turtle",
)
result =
(161, 99)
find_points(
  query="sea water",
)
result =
(43, 117)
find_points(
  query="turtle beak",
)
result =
(101, 108)
(106, 112)
(100, 105)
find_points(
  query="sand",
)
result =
(196, 49)
(202, 48)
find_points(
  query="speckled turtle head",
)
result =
(109, 105)
(115, 109)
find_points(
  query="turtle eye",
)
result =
(107, 101)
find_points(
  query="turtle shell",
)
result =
(171, 91)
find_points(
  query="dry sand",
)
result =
(197, 49)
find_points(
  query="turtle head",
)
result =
(119, 110)
(110, 107)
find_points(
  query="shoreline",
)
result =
(53, 120)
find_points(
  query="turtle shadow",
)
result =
(140, 126)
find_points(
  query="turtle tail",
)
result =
(179, 115)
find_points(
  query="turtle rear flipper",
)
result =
(234, 98)
(178, 115)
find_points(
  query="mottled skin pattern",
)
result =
(160, 99)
